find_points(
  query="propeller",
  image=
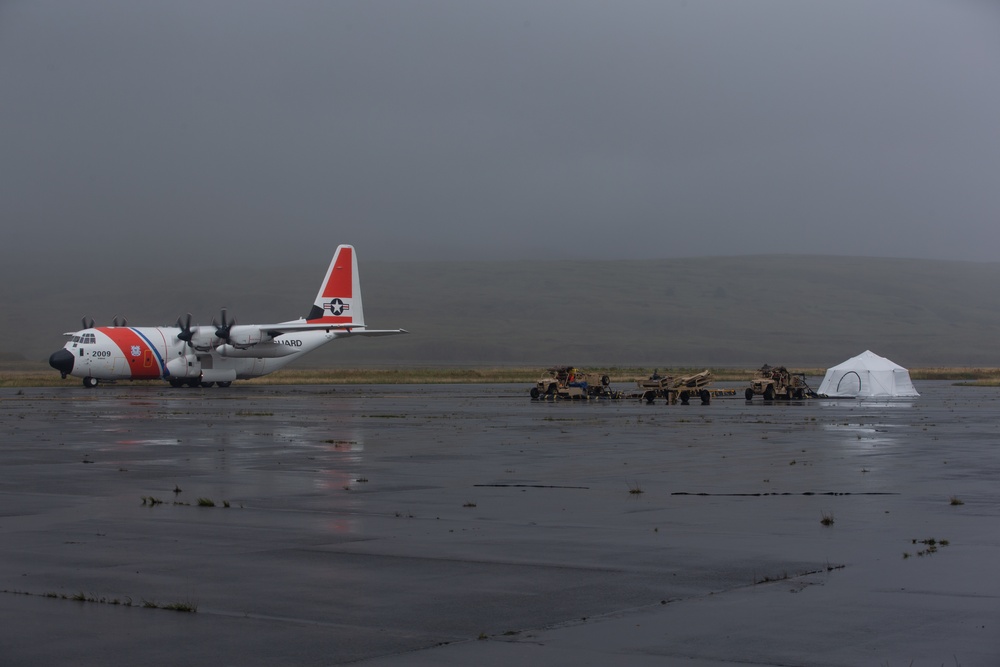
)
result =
(222, 330)
(87, 324)
(185, 334)
(123, 323)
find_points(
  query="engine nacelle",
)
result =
(184, 366)
(244, 335)
(260, 351)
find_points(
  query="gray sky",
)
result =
(225, 131)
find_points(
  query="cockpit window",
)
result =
(77, 339)
(85, 339)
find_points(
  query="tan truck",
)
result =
(570, 382)
(777, 383)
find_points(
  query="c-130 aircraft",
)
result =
(216, 355)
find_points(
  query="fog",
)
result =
(230, 133)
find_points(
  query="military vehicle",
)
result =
(777, 383)
(570, 382)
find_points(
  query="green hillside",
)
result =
(733, 311)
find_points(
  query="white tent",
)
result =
(867, 375)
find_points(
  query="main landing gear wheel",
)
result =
(223, 385)
(90, 382)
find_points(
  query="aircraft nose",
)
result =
(62, 361)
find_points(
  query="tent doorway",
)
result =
(849, 384)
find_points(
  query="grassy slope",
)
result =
(720, 312)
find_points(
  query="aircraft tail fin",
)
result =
(339, 297)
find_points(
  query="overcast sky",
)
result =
(233, 131)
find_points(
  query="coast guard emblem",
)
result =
(136, 350)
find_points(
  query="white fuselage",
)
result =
(145, 353)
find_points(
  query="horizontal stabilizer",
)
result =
(372, 332)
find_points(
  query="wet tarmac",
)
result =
(458, 525)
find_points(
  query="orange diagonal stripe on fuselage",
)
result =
(125, 339)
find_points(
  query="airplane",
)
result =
(203, 356)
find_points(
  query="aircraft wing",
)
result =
(372, 332)
(346, 329)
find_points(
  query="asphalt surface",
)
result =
(457, 525)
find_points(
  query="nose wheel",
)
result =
(90, 382)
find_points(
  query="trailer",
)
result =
(684, 388)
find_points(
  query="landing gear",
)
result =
(197, 382)
(90, 382)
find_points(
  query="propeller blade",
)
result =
(87, 324)
(222, 330)
(185, 333)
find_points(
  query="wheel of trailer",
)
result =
(749, 394)
(684, 396)
(706, 397)
(769, 392)
(534, 392)
(90, 382)
(605, 380)
(649, 396)
(224, 384)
